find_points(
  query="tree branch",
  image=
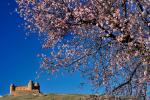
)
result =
(86, 55)
(128, 81)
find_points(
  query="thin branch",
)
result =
(86, 55)
(128, 81)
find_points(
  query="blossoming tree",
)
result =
(107, 41)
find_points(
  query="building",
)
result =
(31, 88)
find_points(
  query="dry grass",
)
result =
(46, 97)
(63, 97)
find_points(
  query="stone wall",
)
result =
(31, 88)
(106, 97)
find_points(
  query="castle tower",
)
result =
(12, 88)
(37, 86)
(30, 85)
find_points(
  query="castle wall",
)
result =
(21, 88)
(31, 88)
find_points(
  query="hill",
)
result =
(46, 97)
(62, 97)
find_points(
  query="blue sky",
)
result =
(18, 57)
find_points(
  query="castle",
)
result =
(31, 88)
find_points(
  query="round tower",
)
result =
(30, 85)
(37, 86)
(12, 88)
